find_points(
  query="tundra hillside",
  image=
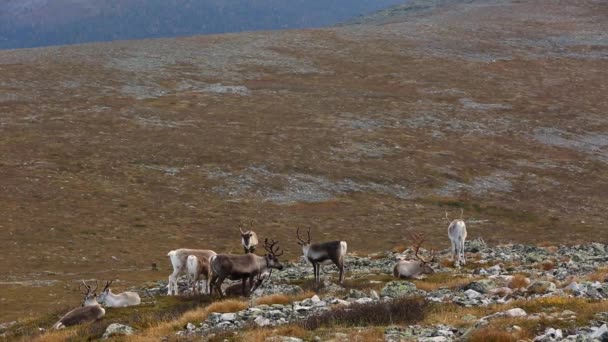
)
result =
(114, 154)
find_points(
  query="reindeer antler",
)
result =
(86, 287)
(461, 212)
(108, 283)
(418, 239)
(446, 216)
(270, 247)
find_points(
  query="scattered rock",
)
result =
(395, 289)
(116, 329)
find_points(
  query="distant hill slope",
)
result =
(31, 23)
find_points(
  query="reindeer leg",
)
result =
(218, 286)
(464, 262)
(341, 267)
(244, 282)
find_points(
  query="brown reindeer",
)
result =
(408, 269)
(89, 311)
(243, 267)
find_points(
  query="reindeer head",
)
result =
(273, 254)
(105, 292)
(302, 242)
(246, 235)
(90, 297)
(425, 264)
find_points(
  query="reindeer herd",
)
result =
(207, 270)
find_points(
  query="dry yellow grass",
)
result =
(260, 335)
(197, 315)
(272, 299)
(491, 335)
(228, 305)
(600, 275)
(441, 280)
(369, 334)
(55, 336)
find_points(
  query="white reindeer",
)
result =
(198, 269)
(457, 232)
(178, 259)
(249, 239)
(128, 298)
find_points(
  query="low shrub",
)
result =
(399, 311)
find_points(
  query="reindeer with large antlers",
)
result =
(89, 311)
(457, 232)
(318, 253)
(123, 299)
(243, 267)
(249, 239)
(414, 269)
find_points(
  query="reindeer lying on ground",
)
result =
(90, 311)
(457, 232)
(198, 269)
(123, 299)
(178, 259)
(249, 239)
(243, 267)
(317, 253)
(414, 269)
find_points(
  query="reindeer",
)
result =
(317, 253)
(243, 267)
(120, 300)
(236, 290)
(89, 311)
(198, 269)
(178, 260)
(249, 239)
(414, 269)
(457, 232)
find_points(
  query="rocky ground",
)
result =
(495, 277)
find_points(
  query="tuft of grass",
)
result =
(442, 280)
(228, 305)
(272, 299)
(600, 275)
(368, 334)
(491, 335)
(399, 311)
(518, 281)
(546, 265)
(57, 335)
(399, 248)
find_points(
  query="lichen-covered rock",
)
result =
(541, 287)
(395, 289)
(484, 286)
(116, 329)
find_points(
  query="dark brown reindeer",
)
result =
(89, 311)
(243, 267)
(318, 253)
(249, 239)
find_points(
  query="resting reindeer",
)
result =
(317, 253)
(90, 311)
(457, 232)
(120, 300)
(243, 267)
(198, 269)
(414, 269)
(178, 259)
(236, 290)
(249, 239)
